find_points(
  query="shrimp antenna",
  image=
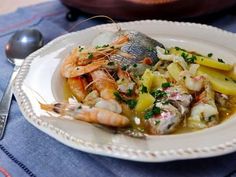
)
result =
(36, 93)
(96, 16)
(40, 103)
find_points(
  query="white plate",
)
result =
(39, 79)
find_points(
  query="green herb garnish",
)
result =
(156, 110)
(124, 67)
(135, 65)
(166, 102)
(111, 63)
(90, 55)
(210, 54)
(144, 89)
(157, 122)
(118, 96)
(129, 92)
(81, 48)
(177, 48)
(166, 85)
(150, 113)
(158, 94)
(131, 103)
(187, 58)
(220, 60)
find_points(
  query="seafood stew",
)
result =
(130, 81)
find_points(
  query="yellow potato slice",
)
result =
(174, 69)
(220, 82)
(231, 73)
(147, 79)
(202, 60)
(157, 81)
(145, 101)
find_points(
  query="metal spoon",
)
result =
(20, 45)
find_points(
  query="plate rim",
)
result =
(107, 149)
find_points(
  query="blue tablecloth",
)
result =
(26, 151)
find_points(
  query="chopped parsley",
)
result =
(192, 59)
(90, 55)
(166, 85)
(144, 89)
(184, 55)
(103, 46)
(187, 58)
(152, 112)
(111, 63)
(79, 107)
(124, 67)
(131, 103)
(135, 65)
(157, 122)
(210, 54)
(129, 92)
(158, 94)
(148, 114)
(220, 60)
(166, 102)
(81, 48)
(156, 110)
(177, 48)
(118, 96)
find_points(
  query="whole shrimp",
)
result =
(88, 114)
(85, 60)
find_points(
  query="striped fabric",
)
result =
(25, 151)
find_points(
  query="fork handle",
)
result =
(6, 102)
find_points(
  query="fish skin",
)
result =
(139, 46)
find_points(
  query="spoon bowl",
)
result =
(22, 43)
(19, 46)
